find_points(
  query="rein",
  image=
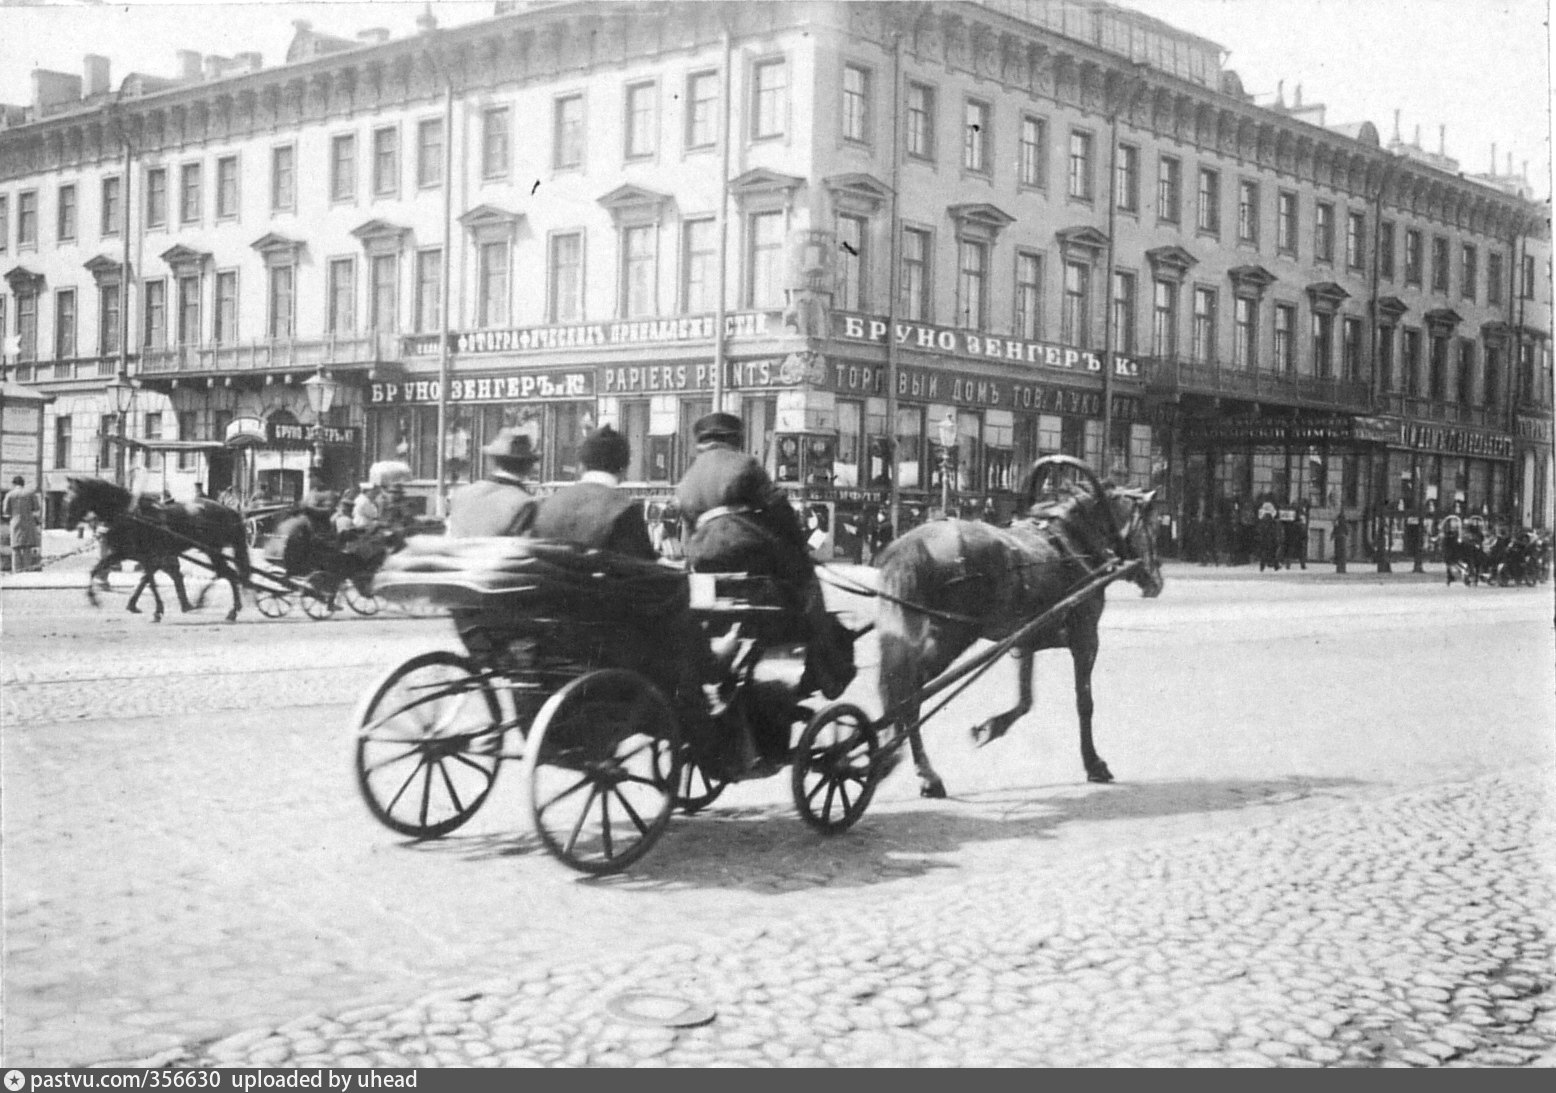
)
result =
(845, 584)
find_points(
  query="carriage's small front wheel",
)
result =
(361, 600)
(603, 765)
(272, 605)
(833, 773)
(428, 744)
(695, 788)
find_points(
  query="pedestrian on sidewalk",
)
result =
(20, 508)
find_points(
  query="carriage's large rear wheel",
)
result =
(428, 744)
(603, 764)
(833, 773)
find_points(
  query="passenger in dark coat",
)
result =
(500, 504)
(738, 520)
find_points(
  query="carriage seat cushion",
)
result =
(531, 576)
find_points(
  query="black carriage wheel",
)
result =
(318, 595)
(363, 602)
(272, 605)
(602, 764)
(695, 788)
(428, 744)
(833, 773)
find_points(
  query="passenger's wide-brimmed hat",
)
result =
(389, 472)
(513, 446)
(718, 425)
(605, 450)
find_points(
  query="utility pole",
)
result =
(893, 288)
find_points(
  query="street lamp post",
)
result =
(122, 392)
(321, 391)
(947, 431)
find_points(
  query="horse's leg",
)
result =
(99, 573)
(140, 586)
(998, 725)
(224, 571)
(1083, 652)
(900, 680)
(149, 580)
(176, 572)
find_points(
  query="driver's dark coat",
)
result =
(593, 514)
(767, 541)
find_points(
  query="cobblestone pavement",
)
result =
(188, 868)
(1409, 931)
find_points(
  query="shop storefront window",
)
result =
(910, 448)
(1317, 478)
(760, 414)
(1478, 494)
(634, 426)
(1072, 437)
(850, 425)
(969, 450)
(691, 410)
(566, 423)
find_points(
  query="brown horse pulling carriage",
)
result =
(607, 759)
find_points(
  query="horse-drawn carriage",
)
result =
(548, 679)
(309, 563)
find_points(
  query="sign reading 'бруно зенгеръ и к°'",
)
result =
(975, 345)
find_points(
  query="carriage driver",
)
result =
(738, 520)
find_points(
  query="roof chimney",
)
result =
(189, 64)
(375, 35)
(1417, 142)
(1442, 140)
(250, 62)
(426, 21)
(1297, 101)
(51, 90)
(1280, 94)
(1396, 128)
(1493, 159)
(95, 78)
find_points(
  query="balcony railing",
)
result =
(1431, 409)
(289, 355)
(67, 368)
(1216, 379)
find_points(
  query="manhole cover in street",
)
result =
(658, 1010)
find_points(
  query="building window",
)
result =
(156, 200)
(1169, 190)
(1128, 180)
(699, 267)
(227, 187)
(151, 425)
(769, 98)
(1494, 279)
(342, 318)
(384, 298)
(111, 210)
(1355, 241)
(641, 110)
(65, 323)
(972, 283)
(1123, 312)
(386, 161)
(1468, 263)
(1208, 217)
(976, 136)
(65, 220)
(921, 121)
(852, 240)
(1029, 295)
(1351, 349)
(343, 168)
(62, 440)
(1438, 379)
(5, 232)
(495, 142)
(567, 133)
(1248, 213)
(1386, 250)
(1245, 326)
(1466, 372)
(764, 260)
(155, 327)
(856, 104)
(1493, 389)
(282, 299)
(226, 330)
(1412, 350)
(1526, 277)
(1323, 232)
(915, 274)
(1033, 163)
(189, 310)
(1526, 384)
(492, 301)
(1075, 322)
(702, 100)
(108, 319)
(637, 271)
(429, 291)
(1286, 222)
(1079, 185)
(189, 194)
(27, 325)
(1205, 325)
(283, 178)
(1439, 264)
(567, 277)
(1385, 358)
(1285, 338)
(1323, 345)
(185, 420)
(1164, 320)
(429, 153)
(1412, 257)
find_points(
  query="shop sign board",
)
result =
(1534, 428)
(975, 345)
(577, 383)
(627, 332)
(636, 379)
(960, 389)
(280, 433)
(1441, 438)
(245, 430)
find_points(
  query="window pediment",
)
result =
(1251, 280)
(490, 224)
(24, 281)
(1495, 331)
(380, 237)
(631, 204)
(980, 220)
(1442, 320)
(1391, 309)
(1170, 263)
(761, 182)
(104, 270)
(277, 249)
(1326, 297)
(1085, 242)
(184, 261)
(857, 192)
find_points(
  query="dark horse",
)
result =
(154, 535)
(978, 581)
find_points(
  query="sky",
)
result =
(1479, 67)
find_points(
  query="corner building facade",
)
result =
(1023, 226)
